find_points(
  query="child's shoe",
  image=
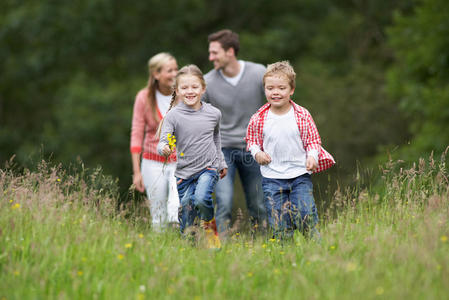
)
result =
(211, 234)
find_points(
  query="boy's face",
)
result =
(278, 91)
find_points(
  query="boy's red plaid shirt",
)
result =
(307, 131)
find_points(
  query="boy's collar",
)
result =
(267, 106)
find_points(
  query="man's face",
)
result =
(219, 56)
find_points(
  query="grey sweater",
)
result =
(198, 143)
(236, 103)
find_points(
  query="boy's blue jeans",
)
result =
(195, 196)
(249, 171)
(290, 205)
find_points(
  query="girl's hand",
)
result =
(138, 182)
(223, 173)
(166, 151)
(262, 158)
(311, 164)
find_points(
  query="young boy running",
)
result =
(284, 140)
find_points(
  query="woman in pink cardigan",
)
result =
(150, 174)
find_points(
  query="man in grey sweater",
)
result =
(235, 87)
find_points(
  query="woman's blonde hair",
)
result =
(282, 68)
(155, 64)
(186, 70)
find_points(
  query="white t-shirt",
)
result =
(163, 102)
(282, 142)
(234, 80)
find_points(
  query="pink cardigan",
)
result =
(143, 129)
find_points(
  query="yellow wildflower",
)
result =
(250, 274)
(379, 290)
(171, 141)
(120, 256)
(129, 245)
(443, 238)
(140, 235)
(80, 273)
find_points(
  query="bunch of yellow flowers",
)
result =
(171, 141)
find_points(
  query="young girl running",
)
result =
(151, 174)
(195, 126)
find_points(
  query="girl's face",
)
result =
(190, 90)
(166, 75)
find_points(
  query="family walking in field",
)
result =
(191, 133)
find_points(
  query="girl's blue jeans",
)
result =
(195, 196)
(290, 205)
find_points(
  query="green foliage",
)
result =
(418, 78)
(70, 71)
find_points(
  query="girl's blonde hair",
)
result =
(155, 64)
(282, 68)
(186, 70)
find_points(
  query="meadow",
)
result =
(62, 237)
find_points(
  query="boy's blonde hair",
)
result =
(281, 68)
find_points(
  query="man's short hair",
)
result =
(227, 39)
(282, 68)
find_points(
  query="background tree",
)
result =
(419, 76)
(70, 71)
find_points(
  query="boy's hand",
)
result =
(262, 158)
(166, 150)
(223, 173)
(311, 164)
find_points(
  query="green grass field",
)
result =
(62, 238)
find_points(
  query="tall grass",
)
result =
(62, 237)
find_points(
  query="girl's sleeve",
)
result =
(168, 128)
(138, 124)
(217, 140)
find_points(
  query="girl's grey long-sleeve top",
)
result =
(198, 141)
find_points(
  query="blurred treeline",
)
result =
(374, 74)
